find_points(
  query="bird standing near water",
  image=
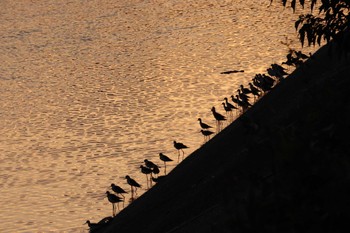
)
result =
(179, 147)
(133, 185)
(114, 199)
(255, 91)
(206, 134)
(203, 125)
(219, 118)
(165, 159)
(93, 226)
(118, 190)
(147, 171)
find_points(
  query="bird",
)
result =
(113, 199)
(179, 147)
(255, 91)
(155, 170)
(165, 159)
(159, 178)
(146, 171)
(149, 164)
(154, 167)
(206, 134)
(117, 189)
(245, 90)
(93, 226)
(227, 109)
(229, 104)
(218, 117)
(133, 184)
(203, 125)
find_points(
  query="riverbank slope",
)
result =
(281, 167)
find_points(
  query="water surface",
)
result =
(91, 88)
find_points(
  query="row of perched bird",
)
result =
(260, 84)
(151, 170)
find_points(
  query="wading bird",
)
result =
(118, 190)
(206, 134)
(133, 185)
(203, 125)
(165, 159)
(147, 171)
(219, 118)
(179, 147)
(114, 199)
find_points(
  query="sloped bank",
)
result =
(282, 167)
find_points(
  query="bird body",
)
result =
(245, 90)
(203, 125)
(93, 226)
(150, 164)
(206, 134)
(254, 90)
(165, 159)
(132, 182)
(229, 104)
(159, 178)
(145, 170)
(117, 189)
(179, 147)
(218, 117)
(113, 199)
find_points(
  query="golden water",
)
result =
(91, 88)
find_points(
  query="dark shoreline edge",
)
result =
(283, 177)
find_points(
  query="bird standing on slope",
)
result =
(147, 171)
(219, 118)
(179, 147)
(206, 134)
(133, 185)
(118, 190)
(203, 125)
(114, 199)
(165, 159)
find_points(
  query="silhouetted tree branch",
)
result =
(331, 22)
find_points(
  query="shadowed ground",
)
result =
(282, 167)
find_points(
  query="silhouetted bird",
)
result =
(228, 104)
(93, 226)
(165, 159)
(206, 134)
(155, 170)
(244, 90)
(159, 178)
(113, 199)
(218, 117)
(179, 147)
(255, 91)
(203, 125)
(150, 164)
(147, 171)
(227, 109)
(117, 189)
(133, 184)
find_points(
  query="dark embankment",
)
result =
(282, 167)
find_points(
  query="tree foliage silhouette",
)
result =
(331, 22)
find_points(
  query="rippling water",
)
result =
(90, 88)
